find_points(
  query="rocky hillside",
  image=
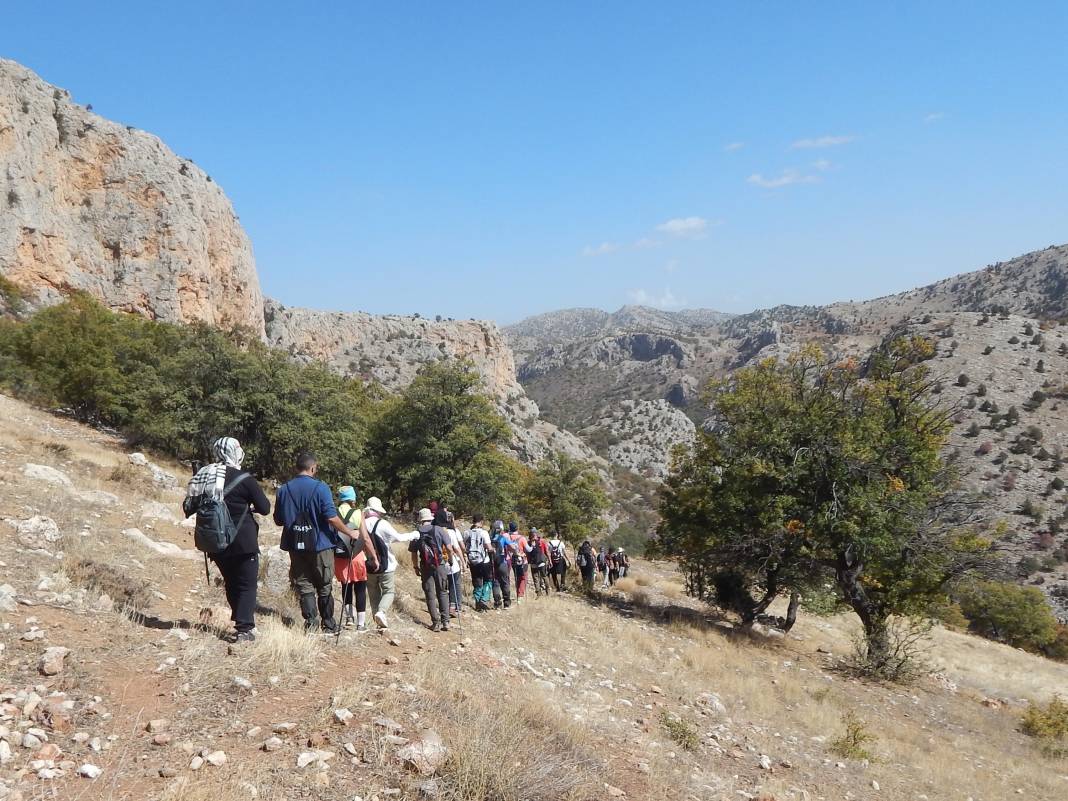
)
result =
(89, 204)
(92, 205)
(1001, 345)
(118, 682)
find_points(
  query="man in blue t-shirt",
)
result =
(311, 570)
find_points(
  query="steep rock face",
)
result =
(640, 434)
(88, 204)
(390, 349)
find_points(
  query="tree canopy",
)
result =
(566, 498)
(823, 473)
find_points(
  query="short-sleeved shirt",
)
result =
(438, 540)
(312, 496)
(519, 542)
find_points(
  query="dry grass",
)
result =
(281, 650)
(102, 578)
(479, 725)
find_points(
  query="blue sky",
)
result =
(496, 160)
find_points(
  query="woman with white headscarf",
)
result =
(239, 564)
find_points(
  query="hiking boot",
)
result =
(444, 625)
(347, 615)
(361, 628)
(245, 636)
(380, 619)
(435, 626)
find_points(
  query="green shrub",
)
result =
(1048, 724)
(680, 731)
(853, 742)
(1009, 613)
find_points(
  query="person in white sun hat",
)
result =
(381, 583)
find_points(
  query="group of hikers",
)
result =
(327, 540)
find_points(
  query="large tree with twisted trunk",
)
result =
(824, 475)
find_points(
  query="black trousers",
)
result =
(239, 578)
(355, 592)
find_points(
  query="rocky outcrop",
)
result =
(390, 350)
(640, 435)
(92, 205)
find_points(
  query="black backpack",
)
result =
(381, 549)
(301, 535)
(215, 530)
(347, 547)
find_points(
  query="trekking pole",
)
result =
(207, 575)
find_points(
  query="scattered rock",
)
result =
(425, 755)
(765, 762)
(161, 739)
(51, 661)
(388, 724)
(216, 758)
(272, 744)
(49, 475)
(90, 771)
(168, 549)
(343, 716)
(241, 683)
(613, 792)
(157, 725)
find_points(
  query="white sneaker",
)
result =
(380, 619)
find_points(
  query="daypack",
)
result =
(583, 559)
(556, 552)
(381, 549)
(346, 545)
(537, 556)
(215, 530)
(430, 549)
(476, 547)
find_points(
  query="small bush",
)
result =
(680, 731)
(963, 380)
(1048, 724)
(853, 742)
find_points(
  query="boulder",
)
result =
(38, 532)
(49, 475)
(168, 549)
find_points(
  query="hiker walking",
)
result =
(430, 559)
(538, 556)
(502, 567)
(480, 558)
(520, 549)
(381, 579)
(305, 510)
(587, 563)
(602, 566)
(456, 560)
(350, 563)
(613, 567)
(238, 562)
(624, 563)
(558, 563)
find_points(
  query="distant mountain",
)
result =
(630, 383)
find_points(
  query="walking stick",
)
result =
(207, 575)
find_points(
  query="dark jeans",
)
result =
(502, 590)
(239, 578)
(436, 590)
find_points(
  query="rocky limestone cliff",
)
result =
(390, 349)
(89, 204)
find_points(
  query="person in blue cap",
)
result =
(350, 563)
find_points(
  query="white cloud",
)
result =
(601, 249)
(691, 227)
(665, 300)
(821, 141)
(787, 178)
(934, 116)
(645, 243)
(822, 164)
(730, 147)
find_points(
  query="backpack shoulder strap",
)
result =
(237, 480)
